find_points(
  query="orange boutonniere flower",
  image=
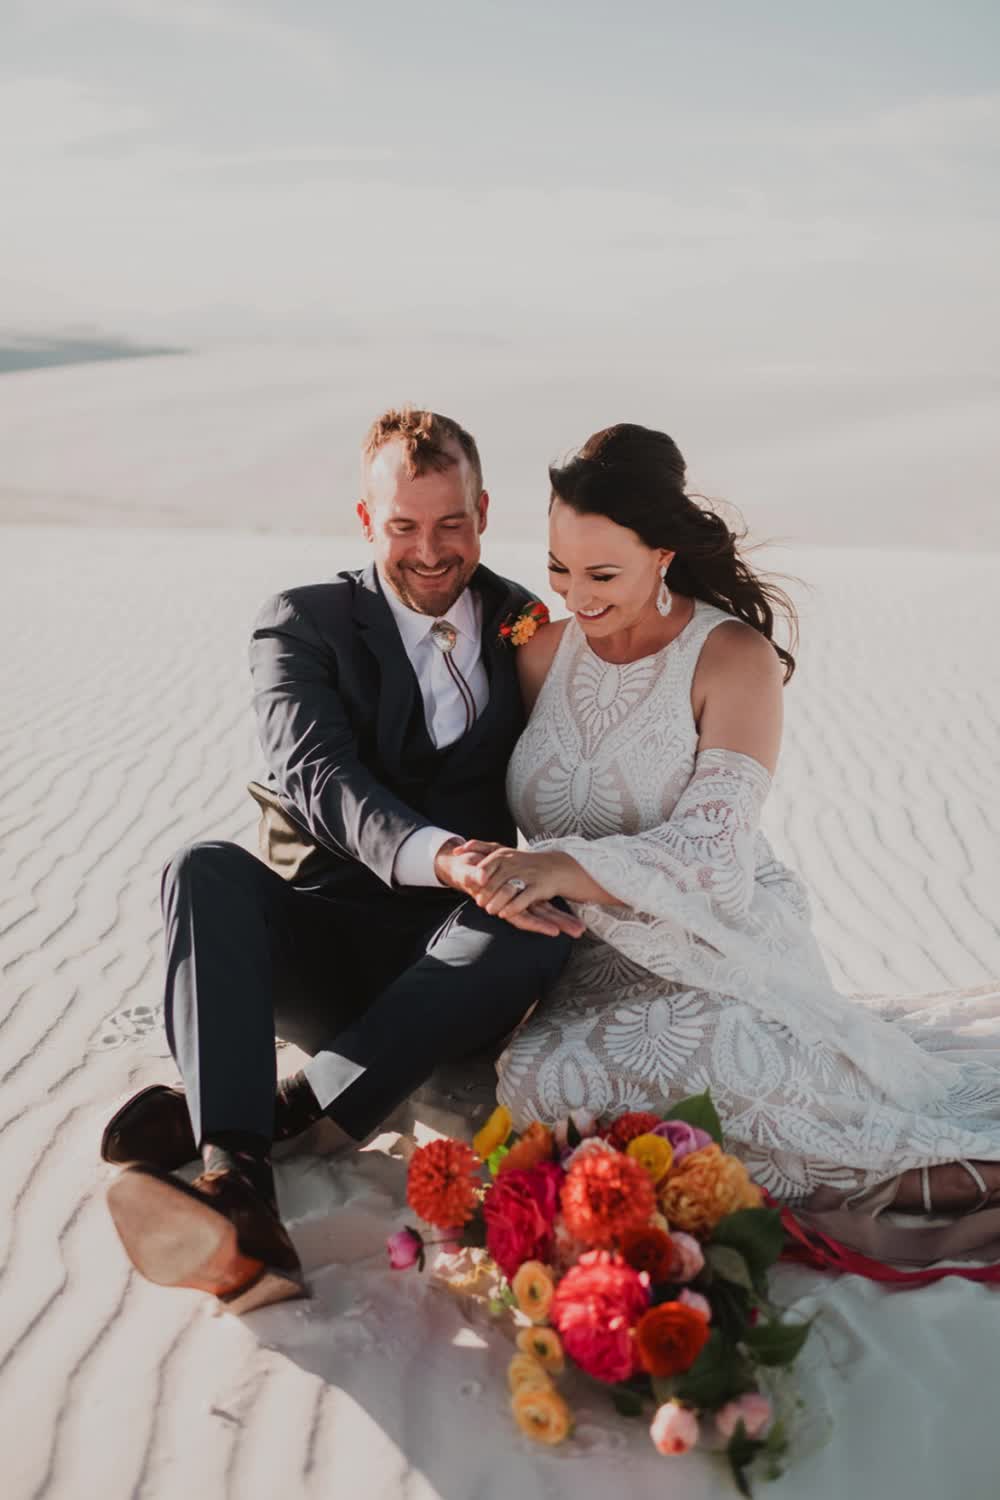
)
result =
(517, 629)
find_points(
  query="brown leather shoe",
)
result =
(217, 1235)
(153, 1126)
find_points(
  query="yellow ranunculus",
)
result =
(533, 1290)
(653, 1153)
(494, 1133)
(541, 1414)
(545, 1345)
(525, 1373)
(706, 1186)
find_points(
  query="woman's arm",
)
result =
(535, 658)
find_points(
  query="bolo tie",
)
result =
(445, 638)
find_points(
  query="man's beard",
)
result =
(429, 596)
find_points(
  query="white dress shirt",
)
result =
(444, 706)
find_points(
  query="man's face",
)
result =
(425, 531)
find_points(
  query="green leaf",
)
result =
(776, 1343)
(699, 1111)
(741, 1452)
(776, 1441)
(757, 1234)
(718, 1375)
(730, 1306)
(495, 1158)
(730, 1265)
(627, 1403)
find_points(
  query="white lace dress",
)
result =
(707, 974)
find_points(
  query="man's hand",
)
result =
(460, 865)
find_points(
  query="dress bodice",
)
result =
(609, 748)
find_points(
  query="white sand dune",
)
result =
(126, 732)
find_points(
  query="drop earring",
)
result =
(664, 599)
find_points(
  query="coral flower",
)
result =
(628, 1126)
(541, 1414)
(533, 1288)
(604, 1195)
(649, 1249)
(653, 1153)
(494, 1133)
(595, 1309)
(535, 1146)
(526, 1372)
(704, 1188)
(442, 1183)
(545, 1345)
(670, 1337)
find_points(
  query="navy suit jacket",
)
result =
(341, 723)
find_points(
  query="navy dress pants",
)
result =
(378, 989)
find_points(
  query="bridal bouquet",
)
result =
(636, 1250)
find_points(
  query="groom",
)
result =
(387, 707)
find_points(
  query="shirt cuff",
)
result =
(415, 857)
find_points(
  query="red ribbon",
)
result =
(810, 1247)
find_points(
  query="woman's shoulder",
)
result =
(734, 648)
(535, 658)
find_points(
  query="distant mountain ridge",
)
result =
(25, 351)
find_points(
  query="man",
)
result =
(387, 706)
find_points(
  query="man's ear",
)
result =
(483, 507)
(364, 516)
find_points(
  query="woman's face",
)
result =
(607, 577)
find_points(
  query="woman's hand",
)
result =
(515, 879)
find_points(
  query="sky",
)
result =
(796, 185)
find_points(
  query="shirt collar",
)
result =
(415, 627)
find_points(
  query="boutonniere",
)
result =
(517, 629)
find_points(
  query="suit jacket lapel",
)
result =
(399, 695)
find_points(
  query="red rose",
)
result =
(595, 1308)
(520, 1210)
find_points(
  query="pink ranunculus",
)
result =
(520, 1210)
(595, 1309)
(674, 1429)
(697, 1302)
(405, 1248)
(689, 1258)
(591, 1146)
(584, 1122)
(753, 1410)
(683, 1137)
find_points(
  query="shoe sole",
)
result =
(118, 1119)
(174, 1238)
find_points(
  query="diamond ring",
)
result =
(516, 883)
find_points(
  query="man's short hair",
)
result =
(428, 439)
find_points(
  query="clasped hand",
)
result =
(483, 871)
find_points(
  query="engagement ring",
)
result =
(516, 883)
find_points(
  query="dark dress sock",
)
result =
(295, 1107)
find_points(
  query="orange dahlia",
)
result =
(604, 1195)
(704, 1187)
(627, 1127)
(534, 1146)
(442, 1183)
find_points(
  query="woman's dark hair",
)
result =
(635, 477)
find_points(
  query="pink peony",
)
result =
(753, 1410)
(684, 1138)
(674, 1429)
(520, 1210)
(596, 1306)
(689, 1257)
(697, 1302)
(405, 1248)
(593, 1145)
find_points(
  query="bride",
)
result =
(654, 733)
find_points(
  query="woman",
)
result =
(654, 734)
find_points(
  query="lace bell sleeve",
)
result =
(702, 903)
